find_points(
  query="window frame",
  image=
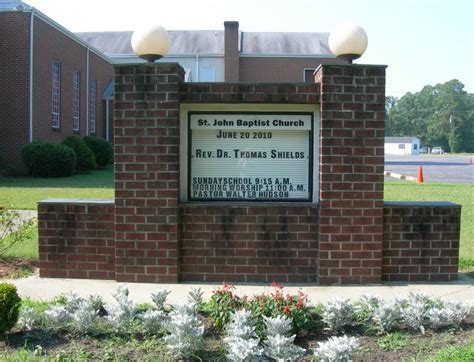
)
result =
(76, 100)
(304, 74)
(93, 107)
(56, 94)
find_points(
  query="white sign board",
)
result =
(250, 156)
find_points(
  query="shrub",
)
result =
(338, 313)
(123, 313)
(186, 331)
(9, 307)
(102, 149)
(85, 317)
(30, 318)
(13, 228)
(277, 304)
(45, 159)
(85, 157)
(57, 317)
(222, 304)
(280, 344)
(241, 342)
(337, 349)
(153, 321)
(159, 298)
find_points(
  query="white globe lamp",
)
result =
(151, 43)
(348, 41)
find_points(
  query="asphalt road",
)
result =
(436, 168)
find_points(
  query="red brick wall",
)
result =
(76, 239)
(49, 45)
(14, 86)
(248, 243)
(421, 241)
(147, 172)
(249, 93)
(351, 173)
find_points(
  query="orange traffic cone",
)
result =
(420, 175)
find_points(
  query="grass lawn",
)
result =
(24, 192)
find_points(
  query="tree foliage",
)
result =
(440, 115)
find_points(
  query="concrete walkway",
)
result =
(47, 288)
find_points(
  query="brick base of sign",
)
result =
(76, 239)
(249, 243)
(421, 241)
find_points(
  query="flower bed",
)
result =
(274, 326)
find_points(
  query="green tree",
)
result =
(440, 115)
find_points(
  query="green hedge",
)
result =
(9, 307)
(84, 155)
(45, 159)
(102, 149)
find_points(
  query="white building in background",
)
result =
(402, 146)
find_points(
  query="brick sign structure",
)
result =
(328, 223)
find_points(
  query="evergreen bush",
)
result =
(9, 307)
(45, 159)
(84, 155)
(102, 149)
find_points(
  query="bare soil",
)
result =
(14, 267)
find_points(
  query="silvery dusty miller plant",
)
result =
(338, 313)
(278, 344)
(337, 349)
(30, 318)
(121, 315)
(366, 305)
(413, 311)
(241, 342)
(447, 314)
(84, 317)
(73, 300)
(159, 297)
(153, 321)
(386, 316)
(57, 317)
(185, 336)
(195, 296)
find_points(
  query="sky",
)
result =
(422, 41)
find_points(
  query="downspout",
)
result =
(30, 110)
(107, 119)
(87, 93)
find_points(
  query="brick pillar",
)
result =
(231, 51)
(146, 117)
(351, 173)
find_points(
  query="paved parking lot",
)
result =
(436, 168)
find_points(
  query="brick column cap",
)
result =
(327, 65)
(76, 202)
(412, 204)
(148, 64)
